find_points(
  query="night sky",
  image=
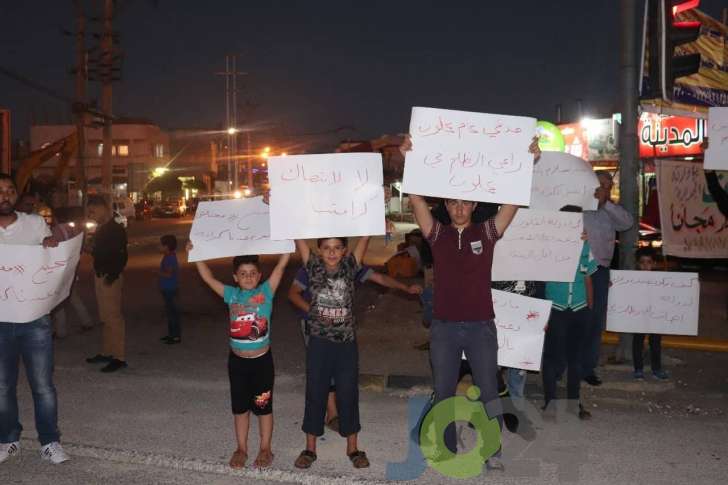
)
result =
(315, 66)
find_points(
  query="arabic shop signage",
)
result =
(670, 136)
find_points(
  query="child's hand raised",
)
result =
(189, 246)
(266, 196)
(406, 145)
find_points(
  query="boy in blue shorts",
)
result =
(250, 361)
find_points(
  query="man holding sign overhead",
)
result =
(463, 251)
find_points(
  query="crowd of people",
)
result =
(455, 244)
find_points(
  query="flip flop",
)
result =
(358, 459)
(305, 459)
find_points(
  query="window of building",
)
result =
(159, 150)
(122, 150)
(100, 149)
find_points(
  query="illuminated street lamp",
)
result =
(159, 171)
(232, 130)
(237, 194)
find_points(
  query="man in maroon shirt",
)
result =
(463, 316)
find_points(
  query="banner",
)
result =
(233, 228)
(520, 322)
(327, 195)
(653, 302)
(470, 156)
(716, 157)
(34, 279)
(561, 179)
(691, 224)
(539, 246)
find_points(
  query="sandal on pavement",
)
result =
(358, 459)
(238, 459)
(305, 459)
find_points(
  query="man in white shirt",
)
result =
(31, 341)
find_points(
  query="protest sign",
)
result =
(716, 156)
(327, 195)
(691, 224)
(232, 228)
(471, 156)
(34, 279)
(561, 179)
(520, 323)
(539, 246)
(653, 302)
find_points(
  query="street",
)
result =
(166, 419)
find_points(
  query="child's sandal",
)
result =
(359, 459)
(305, 459)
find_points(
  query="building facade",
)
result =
(138, 148)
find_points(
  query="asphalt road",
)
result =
(166, 418)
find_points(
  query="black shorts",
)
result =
(251, 384)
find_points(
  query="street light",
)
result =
(237, 194)
(232, 130)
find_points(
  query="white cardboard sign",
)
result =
(539, 246)
(232, 228)
(327, 195)
(716, 156)
(470, 156)
(34, 279)
(520, 322)
(657, 302)
(561, 179)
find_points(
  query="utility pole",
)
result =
(106, 75)
(80, 104)
(231, 117)
(628, 100)
(250, 161)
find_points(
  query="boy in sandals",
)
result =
(332, 349)
(250, 362)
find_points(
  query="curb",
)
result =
(119, 455)
(678, 342)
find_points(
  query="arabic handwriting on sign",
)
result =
(698, 223)
(11, 294)
(664, 282)
(18, 269)
(533, 315)
(464, 128)
(324, 176)
(41, 275)
(207, 236)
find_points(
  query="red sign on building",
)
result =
(670, 136)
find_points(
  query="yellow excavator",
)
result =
(64, 148)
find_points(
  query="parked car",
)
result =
(171, 208)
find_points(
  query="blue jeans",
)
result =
(170, 308)
(33, 342)
(479, 341)
(597, 323)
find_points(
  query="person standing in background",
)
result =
(110, 256)
(601, 227)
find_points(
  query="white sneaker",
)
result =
(54, 453)
(9, 449)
